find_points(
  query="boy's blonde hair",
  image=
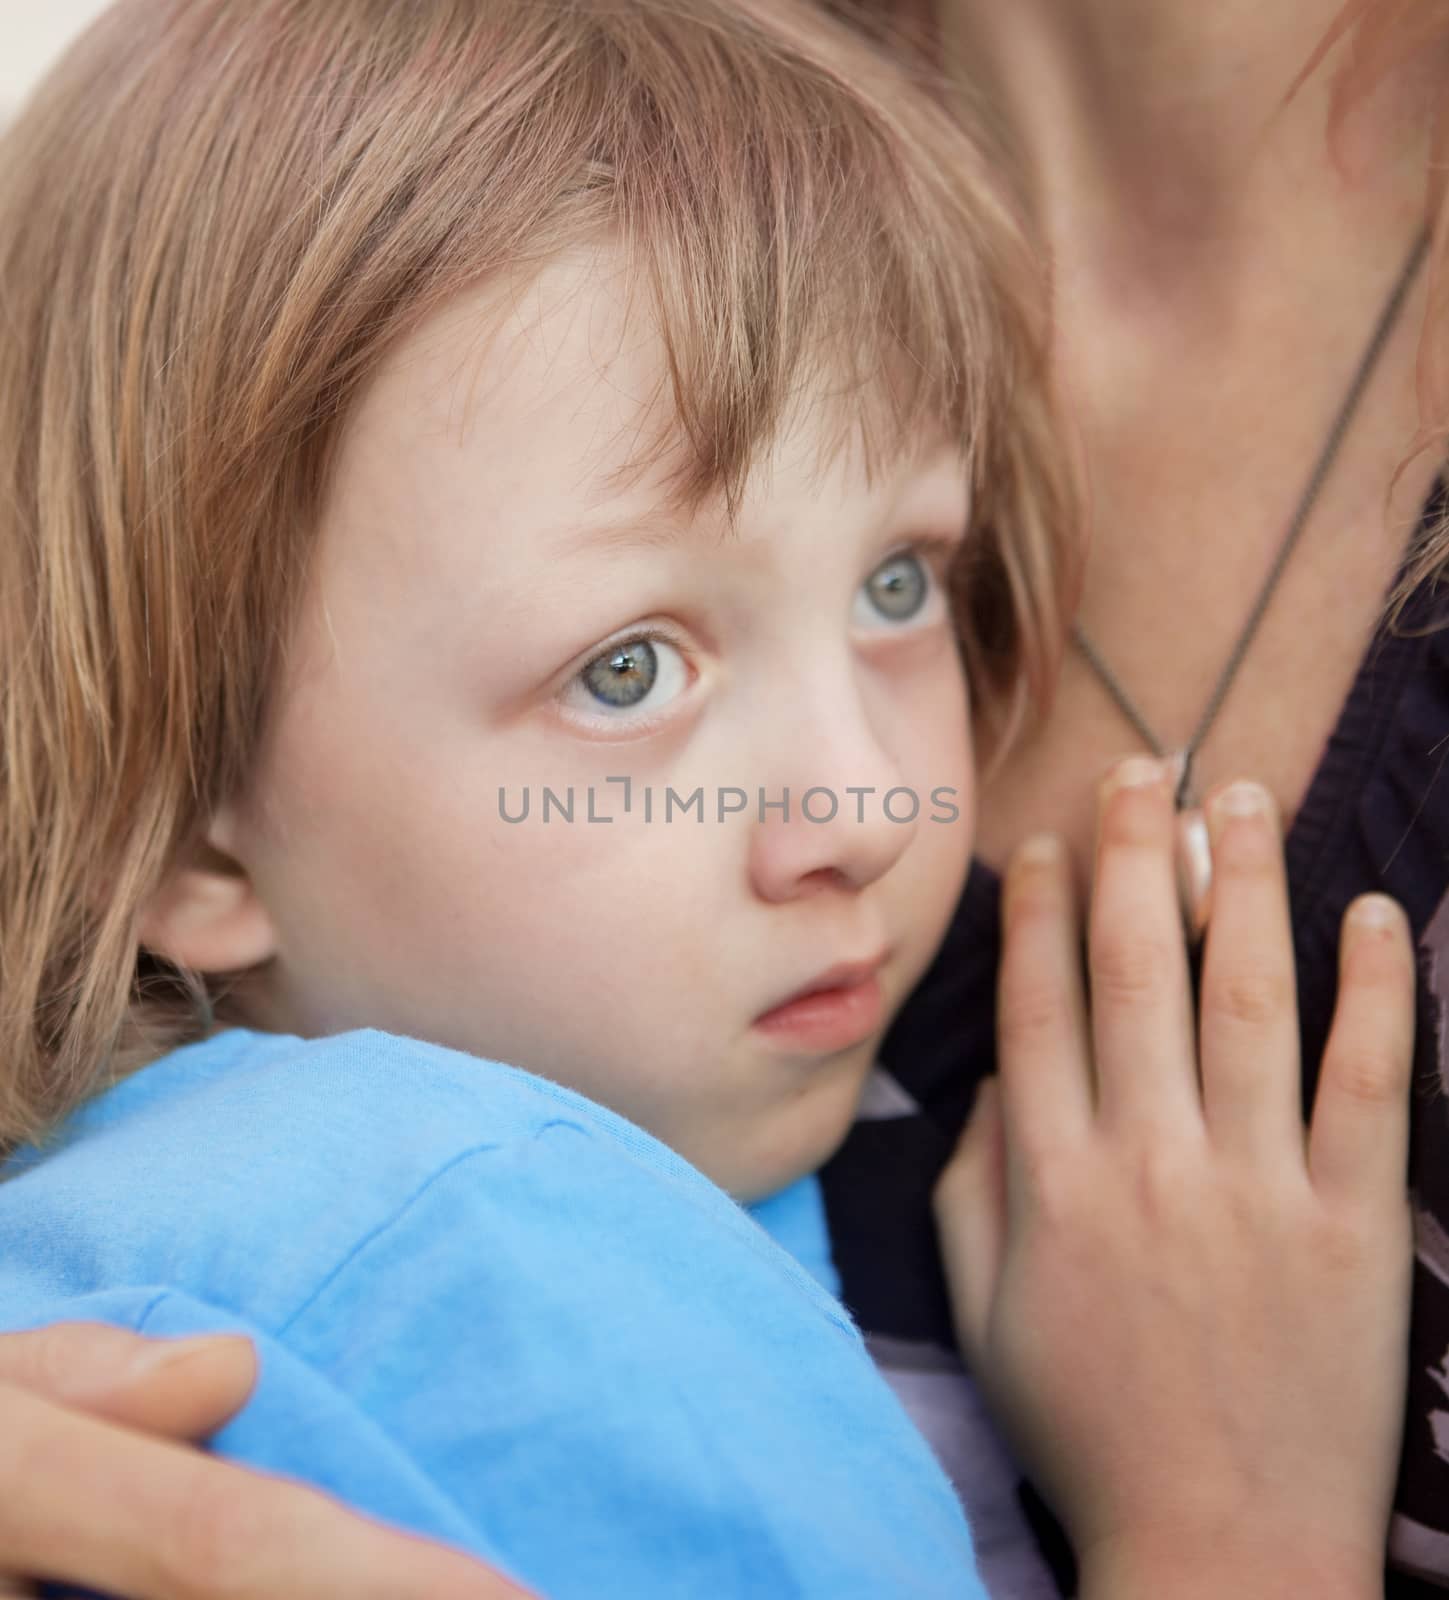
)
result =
(216, 219)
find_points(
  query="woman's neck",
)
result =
(1157, 134)
(1216, 267)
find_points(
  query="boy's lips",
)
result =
(839, 1008)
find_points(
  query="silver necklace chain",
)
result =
(1124, 702)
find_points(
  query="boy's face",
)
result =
(495, 610)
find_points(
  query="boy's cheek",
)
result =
(944, 845)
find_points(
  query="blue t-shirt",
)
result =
(491, 1311)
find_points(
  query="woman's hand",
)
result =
(86, 1498)
(1191, 1316)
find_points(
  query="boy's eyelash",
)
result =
(935, 551)
(939, 547)
(651, 633)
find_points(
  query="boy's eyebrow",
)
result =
(658, 529)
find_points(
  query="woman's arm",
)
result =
(99, 1487)
(1192, 1312)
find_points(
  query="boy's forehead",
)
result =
(514, 413)
(566, 349)
(552, 393)
(553, 385)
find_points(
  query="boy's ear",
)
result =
(207, 915)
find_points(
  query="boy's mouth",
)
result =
(842, 1006)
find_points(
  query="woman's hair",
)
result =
(215, 221)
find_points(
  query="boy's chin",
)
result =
(796, 1140)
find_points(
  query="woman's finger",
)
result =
(1042, 1039)
(1358, 1141)
(970, 1204)
(177, 1388)
(89, 1503)
(1249, 1006)
(1142, 1029)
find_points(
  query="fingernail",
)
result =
(1136, 772)
(1242, 799)
(163, 1353)
(1041, 850)
(1375, 913)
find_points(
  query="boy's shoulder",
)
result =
(490, 1310)
(403, 1106)
(251, 1166)
(342, 1088)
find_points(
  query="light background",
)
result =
(32, 35)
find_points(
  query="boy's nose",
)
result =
(843, 826)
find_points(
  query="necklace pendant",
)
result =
(1194, 851)
(1194, 872)
(1179, 764)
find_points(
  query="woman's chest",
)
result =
(1170, 627)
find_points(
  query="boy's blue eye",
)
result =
(624, 675)
(898, 588)
(628, 683)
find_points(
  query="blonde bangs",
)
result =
(828, 245)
